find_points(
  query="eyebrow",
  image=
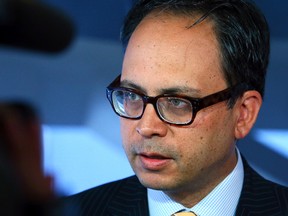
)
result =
(171, 90)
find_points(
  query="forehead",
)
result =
(163, 50)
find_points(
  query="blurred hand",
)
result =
(21, 141)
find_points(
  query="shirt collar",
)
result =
(229, 190)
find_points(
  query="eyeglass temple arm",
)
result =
(226, 94)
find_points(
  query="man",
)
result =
(191, 86)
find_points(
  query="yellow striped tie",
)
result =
(184, 214)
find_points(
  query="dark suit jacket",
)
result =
(259, 197)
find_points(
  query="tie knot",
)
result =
(184, 214)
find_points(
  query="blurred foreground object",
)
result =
(30, 24)
(24, 187)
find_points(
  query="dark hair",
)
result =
(240, 27)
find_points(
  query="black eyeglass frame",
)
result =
(197, 103)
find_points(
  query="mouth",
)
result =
(153, 161)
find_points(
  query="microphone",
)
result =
(32, 25)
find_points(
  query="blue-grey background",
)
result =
(82, 144)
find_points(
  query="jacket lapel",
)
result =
(259, 196)
(131, 199)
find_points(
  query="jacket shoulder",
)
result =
(260, 196)
(104, 197)
(104, 192)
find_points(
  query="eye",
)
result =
(132, 96)
(177, 102)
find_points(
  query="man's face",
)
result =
(164, 56)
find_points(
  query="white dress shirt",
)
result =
(221, 201)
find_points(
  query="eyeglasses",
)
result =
(171, 108)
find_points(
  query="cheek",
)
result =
(126, 127)
(128, 131)
(218, 124)
(221, 135)
(211, 135)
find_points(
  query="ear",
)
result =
(248, 107)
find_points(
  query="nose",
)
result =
(150, 124)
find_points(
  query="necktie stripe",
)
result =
(184, 214)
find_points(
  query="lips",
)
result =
(153, 161)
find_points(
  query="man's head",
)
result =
(241, 30)
(177, 53)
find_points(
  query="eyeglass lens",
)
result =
(127, 103)
(175, 110)
(170, 109)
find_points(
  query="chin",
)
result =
(154, 181)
